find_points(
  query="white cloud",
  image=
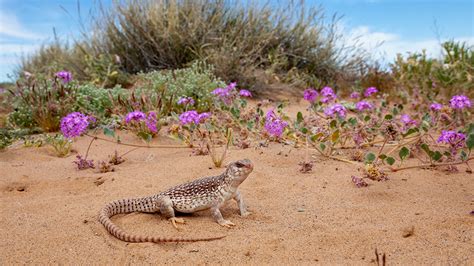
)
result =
(11, 26)
(384, 46)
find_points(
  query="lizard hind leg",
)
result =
(167, 210)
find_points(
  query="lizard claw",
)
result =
(175, 220)
(226, 223)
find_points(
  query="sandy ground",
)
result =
(49, 211)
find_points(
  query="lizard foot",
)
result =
(175, 220)
(226, 223)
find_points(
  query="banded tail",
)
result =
(137, 205)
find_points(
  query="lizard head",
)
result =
(240, 169)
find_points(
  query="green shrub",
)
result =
(433, 78)
(5, 138)
(197, 82)
(41, 102)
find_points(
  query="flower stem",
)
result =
(88, 148)
(430, 165)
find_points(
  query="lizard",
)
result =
(201, 194)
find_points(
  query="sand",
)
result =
(49, 211)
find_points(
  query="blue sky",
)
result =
(386, 27)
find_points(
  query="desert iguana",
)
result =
(201, 194)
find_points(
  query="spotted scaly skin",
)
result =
(201, 194)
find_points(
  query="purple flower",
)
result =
(335, 109)
(226, 94)
(355, 95)
(152, 122)
(328, 95)
(274, 125)
(203, 116)
(135, 116)
(186, 101)
(453, 138)
(193, 116)
(64, 76)
(310, 95)
(460, 102)
(74, 124)
(369, 91)
(245, 93)
(436, 106)
(364, 105)
(406, 119)
(189, 117)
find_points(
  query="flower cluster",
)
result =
(186, 101)
(369, 91)
(226, 94)
(328, 95)
(151, 120)
(135, 116)
(274, 125)
(355, 95)
(64, 76)
(364, 105)
(460, 102)
(193, 116)
(436, 107)
(407, 121)
(245, 93)
(310, 95)
(74, 124)
(453, 138)
(336, 109)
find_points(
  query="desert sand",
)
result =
(49, 210)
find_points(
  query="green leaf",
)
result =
(390, 160)
(403, 153)
(470, 141)
(388, 117)
(145, 136)
(304, 130)
(353, 121)
(235, 112)
(366, 118)
(335, 136)
(333, 124)
(109, 132)
(315, 137)
(463, 155)
(426, 148)
(436, 155)
(299, 118)
(369, 157)
(322, 146)
(395, 111)
(411, 131)
(382, 156)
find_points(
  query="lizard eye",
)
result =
(239, 164)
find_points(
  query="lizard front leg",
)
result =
(217, 215)
(242, 207)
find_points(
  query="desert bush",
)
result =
(433, 78)
(41, 102)
(196, 81)
(237, 38)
